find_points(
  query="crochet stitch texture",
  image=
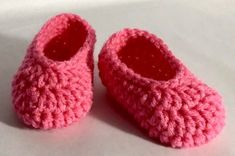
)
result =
(53, 86)
(158, 91)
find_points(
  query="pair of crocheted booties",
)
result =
(54, 85)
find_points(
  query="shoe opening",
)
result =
(64, 45)
(144, 58)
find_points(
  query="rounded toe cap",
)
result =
(49, 105)
(194, 123)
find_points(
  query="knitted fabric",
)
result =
(164, 98)
(53, 86)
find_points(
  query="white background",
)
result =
(200, 33)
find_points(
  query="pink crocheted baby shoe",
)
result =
(158, 91)
(53, 86)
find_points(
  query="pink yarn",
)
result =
(158, 91)
(53, 86)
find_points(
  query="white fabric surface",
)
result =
(201, 33)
